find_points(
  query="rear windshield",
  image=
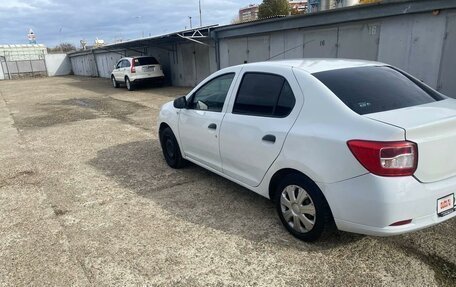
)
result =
(143, 61)
(368, 90)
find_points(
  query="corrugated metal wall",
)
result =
(421, 44)
(191, 63)
(183, 65)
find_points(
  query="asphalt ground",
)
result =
(86, 199)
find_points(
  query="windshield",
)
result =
(376, 89)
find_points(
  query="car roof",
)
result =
(136, 57)
(315, 65)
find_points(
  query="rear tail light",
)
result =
(133, 68)
(386, 158)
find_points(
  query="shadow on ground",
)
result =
(104, 87)
(199, 196)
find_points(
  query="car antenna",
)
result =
(280, 54)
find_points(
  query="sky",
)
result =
(58, 21)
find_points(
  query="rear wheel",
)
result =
(129, 84)
(302, 208)
(171, 150)
(115, 84)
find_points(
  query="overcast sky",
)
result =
(56, 21)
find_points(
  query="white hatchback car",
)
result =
(133, 70)
(356, 143)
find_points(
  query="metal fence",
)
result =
(25, 67)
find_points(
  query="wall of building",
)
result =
(84, 65)
(58, 65)
(422, 44)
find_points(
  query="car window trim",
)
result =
(433, 94)
(277, 100)
(190, 100)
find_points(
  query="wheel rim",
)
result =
(128, 84)
(169, 144)
(297, 208)
(113, 82)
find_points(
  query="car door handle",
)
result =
(269, 138)
(212, 126)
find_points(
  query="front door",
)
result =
(199, 123)
(257, 122)
(117, 71)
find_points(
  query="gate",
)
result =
(22, 66)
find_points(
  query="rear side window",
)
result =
(144, 61)
(126, 64)
(263, 94)
(368, 90)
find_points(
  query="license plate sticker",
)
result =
(445, 205)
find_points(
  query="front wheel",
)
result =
(302, 208)
(115, 84)
(171, 150)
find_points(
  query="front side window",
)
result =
(119, 64)
(375, 89)
(265, 95)
(212, 95)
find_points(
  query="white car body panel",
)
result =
(433, 127)
(250, 163)
(314, 142)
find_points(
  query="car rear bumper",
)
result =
(369, 204)
(147, 78)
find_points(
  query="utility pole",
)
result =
(201, 19)
(190, 18)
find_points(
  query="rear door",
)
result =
(199, 123)
(257, 122)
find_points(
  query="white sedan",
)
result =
(357, 145)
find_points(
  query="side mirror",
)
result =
(180, 103)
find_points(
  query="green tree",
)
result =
(273, 8)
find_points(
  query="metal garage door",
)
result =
(359, 41)
(258, 49)
(237, 51)
(320, 43)
(447, 83)
(294, 42)
(202, 62)
(188, 62)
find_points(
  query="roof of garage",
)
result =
(196, 34)
(385, 8)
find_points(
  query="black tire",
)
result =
(323, 220)
(115, 84)
(171, 150)
(130, 85)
